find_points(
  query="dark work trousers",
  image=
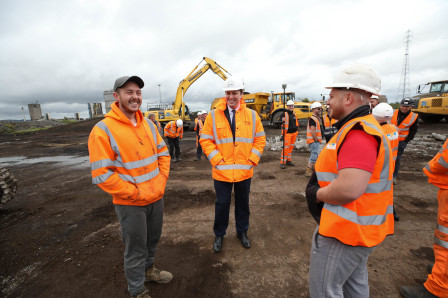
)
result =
(174, 144)
(199, 150)
(401, 146)
(222, 206)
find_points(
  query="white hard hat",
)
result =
(316, 105)
(374, 97)
(290, 103)
(204, 112)
(179, 122)
(358, 76)
(234, 84)
(383, 111)
(199, 113)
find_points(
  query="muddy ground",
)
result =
(60, 236)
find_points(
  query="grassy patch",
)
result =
(30, 130)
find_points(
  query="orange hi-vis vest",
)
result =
(129, 162)
(403, 128)
(285, 126)
(195, 123)
(329, 129)
(172, 131)
(391, 132)
(437, 168)
(200, 124)
(309, 136)
(369, 219)
(239, 154)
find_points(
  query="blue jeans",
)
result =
(315, 149)
(337, 269)
(141, 227)
(222, 206)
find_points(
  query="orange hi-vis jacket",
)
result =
(195, 123)
(391, 132)
(172, 131)
(369, 219)
(285, 126)
(200, 125)
(233, 159)
(403, 128)
(309, 136)
(437, 168)
(329, 129)
(129, 162)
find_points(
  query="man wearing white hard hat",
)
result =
(313, 136)
(373, 101)
(233, 140)
(350, 193)
(290, 130)
(174, 132)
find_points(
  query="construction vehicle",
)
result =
(433, 105)
(178, 110)
(271, 108)
(8, 186)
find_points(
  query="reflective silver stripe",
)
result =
(147, 177)
(326, 176)
(350, 215)
(161, 145)
(139, 163)
(440, 242)
(254, 123)
(113, 143)
(212, 154)
(379, 187)
(208, 137)
(101, 178)
(260, 134)
(101, 164)
(443, 162)
(442, 229)
(427, 167)
(164, 153)
(224, 141)
(214, 127)
(234, 167)
(256, 152)
(153, 128)
(442, 149)
(126, 178)
(244, 140)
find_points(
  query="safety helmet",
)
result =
(179, 122)
(289, 103)
(407, 102)
(374, 97)
(316, 104)
(383, 111)
(199, 113)
(204, 112)
(358, 76)
(233, 84)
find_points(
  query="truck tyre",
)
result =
(8, 186)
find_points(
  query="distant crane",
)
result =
(404, 88)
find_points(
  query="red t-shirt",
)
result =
(359, 150)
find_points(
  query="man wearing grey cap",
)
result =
(130, 161)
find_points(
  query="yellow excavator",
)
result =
(178, 110)
(432, 106)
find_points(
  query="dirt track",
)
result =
(60, 236)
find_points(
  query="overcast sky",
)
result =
(64, 54)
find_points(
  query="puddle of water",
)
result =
(78, 161)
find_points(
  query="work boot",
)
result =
(196, 159)
(174, 159)
(244, 240)
(395, 181)
(158, 276)
(179, 159)
(416, 292)
(289, 163)
(142, 294)
(282, 166)
(217, 244)
(308, 172)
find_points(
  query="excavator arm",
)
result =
(192, 77)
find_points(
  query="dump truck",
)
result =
(432, 106)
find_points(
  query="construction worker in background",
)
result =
(129, 160)
(383, 113)
(329, 128)
(233, 139)
(437, 283)
(373, 101)
(290, 131)
(198, 129)
(350, 193)
(152, 117)
(313, 136)
(203, 117)
(174, 132)
(407, 123)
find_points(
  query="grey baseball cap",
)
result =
(123, 80)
